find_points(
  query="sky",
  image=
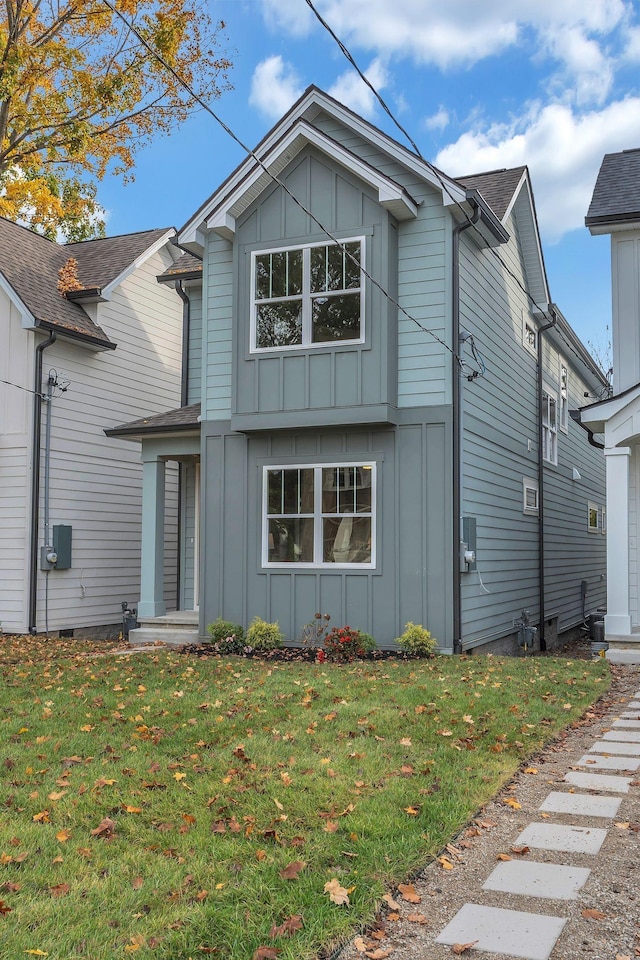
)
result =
(478, 84)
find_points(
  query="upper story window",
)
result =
(529, 333)
(309, 295)
(318, 516)
(549, 426)
(563, 385)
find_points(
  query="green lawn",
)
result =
(177, 807)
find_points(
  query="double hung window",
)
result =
(549, 427)
(308, 295)
(319, 516)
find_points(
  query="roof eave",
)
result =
(84, 338)
(140, 433)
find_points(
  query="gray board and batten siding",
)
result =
(411, 579)
(349, 383)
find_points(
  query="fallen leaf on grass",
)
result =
(291, 871)
(106, 829)
(463, 947)
(4, 908)
(408, 893)
(287, 928)
(266, 953)
(37, 953)
(594, 915)
(60, 890)
(137, 883)
(62, 836)
(337, 893)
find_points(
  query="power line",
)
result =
(205, 106)
(437, 173)
(36, 393)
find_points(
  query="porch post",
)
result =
(618, 619)
(151, 602)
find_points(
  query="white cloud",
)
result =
(632, 49)
(460, 33)
(354, 93)
(438, 121)
(562, 150)
(274, 87)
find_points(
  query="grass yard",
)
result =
(178, 807)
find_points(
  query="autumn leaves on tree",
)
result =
(80, 93)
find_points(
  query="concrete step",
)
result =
(169, 636)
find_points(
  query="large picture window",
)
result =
(304, 296)
(319, 516)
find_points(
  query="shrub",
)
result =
(417, 640)
(263, 636)
(346, 644)
(226, 637)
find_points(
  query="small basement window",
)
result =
(592, 518)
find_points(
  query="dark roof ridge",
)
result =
(116, 236)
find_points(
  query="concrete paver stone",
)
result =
(629, 724)
(595, 762)
(556, 836)
(622, 736)
(613, 746)
(598, 781)
(528, 878)
(512, 932)
(583, 804)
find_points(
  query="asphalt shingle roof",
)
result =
(31, 263)
(182, 418)
(496, 186)
(187, 267)
(616, 195)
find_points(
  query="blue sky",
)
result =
(479, 84)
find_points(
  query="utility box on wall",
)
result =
(62, 545)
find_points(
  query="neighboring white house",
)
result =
(70, 365)
(615, 209)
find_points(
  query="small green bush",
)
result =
(226, 637)
(417, 640)
(263, 636)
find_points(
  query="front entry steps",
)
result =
(172, 630)
(624, 649)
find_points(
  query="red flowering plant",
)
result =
(346, 644)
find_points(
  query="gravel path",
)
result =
(612, 889)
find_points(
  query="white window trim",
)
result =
(593, 508)
(527, 485)
(317, 516)
(307, 343)
(552, 429)
(528, 323)
(603, 520)
(563, 398)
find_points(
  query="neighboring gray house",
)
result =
(615, 210)
(378, 458)
(69, 365)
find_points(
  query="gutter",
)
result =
(456, 404)
(547, 326)
(76, 335)
(35, 478)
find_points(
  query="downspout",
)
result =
(456, 417)
(35, 478)
(543, 642)
(184, 400)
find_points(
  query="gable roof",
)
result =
(290, 135)
(616, 195)
(30, 265)
(498, 187)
